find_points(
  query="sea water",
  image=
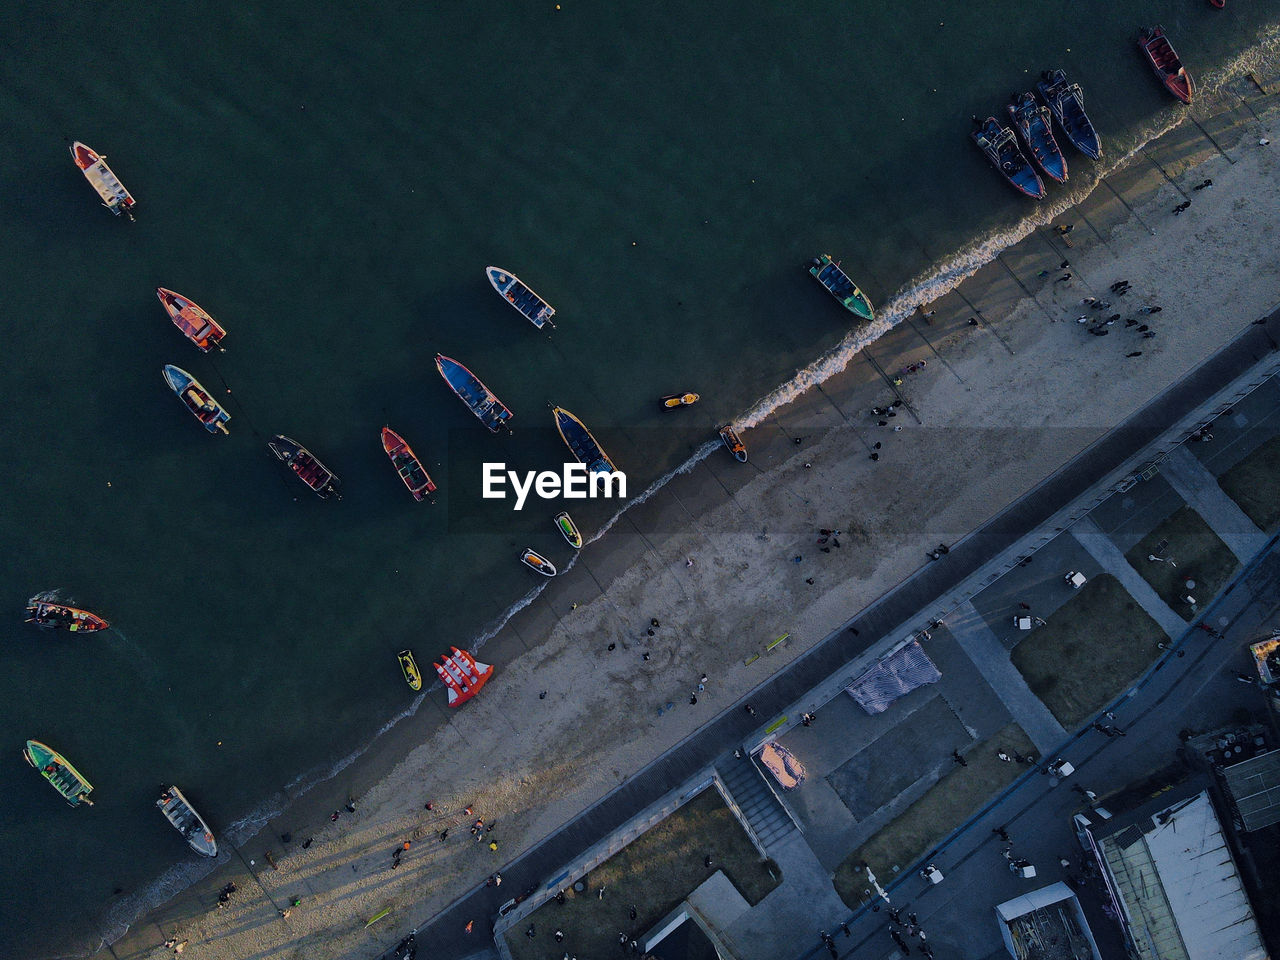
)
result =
(330, 182)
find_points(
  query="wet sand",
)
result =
(997, 407)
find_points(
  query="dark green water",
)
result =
(330, 185)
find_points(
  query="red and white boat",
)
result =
(407, 464)
(60, 616)
(94, 167)
(200, 328)
(463, 675)
(1166, 63)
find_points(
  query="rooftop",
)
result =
(1254, 786)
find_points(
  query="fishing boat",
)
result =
(200, 328)
(838, 284)
(1066, 102)
(197, 399)
(579, 440)
(463, 675)
(306, 465)
(53, 766)
(480, 400)
(1034, 123)
(1164, 60)
(187, 822)
(536, 561)
(569, 530)
(676, 400)
(94, 167)
(59, 616)
(407, 465)
(733, 443)
(1001, 147)
(531, 306)
(409, 667)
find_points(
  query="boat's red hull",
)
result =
(415, 477)
(1166, 63)
(59, 616)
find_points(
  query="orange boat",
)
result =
(463, 675)
(407, 465)
(56, 616)
(200, 328)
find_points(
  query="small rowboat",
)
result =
(94, 167)
(536, 561)
(57, 616)
(64, 778)
(733, 443)
(832, 276)
(187, 822)
(676, 400)
(197, 399)
(569, 530)
(200, 328)
(1168, 67)
(409, 667)
(407, 465)
(306, 465)
(530, 306)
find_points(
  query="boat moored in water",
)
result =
(536, 561)
(1066, 102)
(1034, 124)
(1166, 63)
(62, 776)
(579, 440)
(200, 328)
(569, 530)
(1000, 146)
(94, 167)
(733, 443)
(676, 400)
(480, 400)
(409, 667)
(187, 822)
(59, 616)
(513, 290)
(462, 674)
(407, 465)
(838, 284)
(306, 465)
(197, 399)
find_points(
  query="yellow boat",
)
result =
(410, 669)
(679, 400)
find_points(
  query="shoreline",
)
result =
(813, 410)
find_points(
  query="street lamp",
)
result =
(1168, 560)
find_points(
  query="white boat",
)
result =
(536, 561)
(187, 822)
(513, 290)
(94, 167)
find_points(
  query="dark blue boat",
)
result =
(1001, 147)
(1066, 103)
(579, 439)
(1035, 125)
(492, 412)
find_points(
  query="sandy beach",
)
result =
(988, 410)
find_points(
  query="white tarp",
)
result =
(892, 677)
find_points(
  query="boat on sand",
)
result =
(94, 167)
(187, 822)
(1066, 102)
(62, 776)
(1166, 63)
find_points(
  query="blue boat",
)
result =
(1066, 103)
(1001, 147)
(1035, 125)
(479, 399)
(579, 439)
(513, 290)
(196, 399)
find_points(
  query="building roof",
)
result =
(1254, 786)
(1179, 888)
(1046, 924)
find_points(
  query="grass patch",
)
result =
(1096, 644)
(1254, 484)
(1198, 553)
(654, 872)
(946, 805)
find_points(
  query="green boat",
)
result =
(569, 530)
(53, 766)
(838, 284)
